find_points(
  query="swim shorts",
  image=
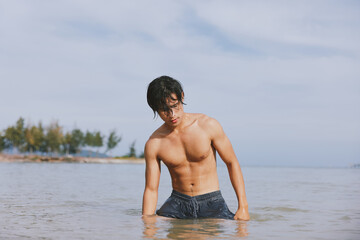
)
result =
(209, 205)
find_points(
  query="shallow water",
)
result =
(103, 201)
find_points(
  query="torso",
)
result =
(189, 156)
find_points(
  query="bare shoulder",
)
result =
(153, 143)
(151, 146)
(208, 124)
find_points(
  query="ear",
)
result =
(182, 96)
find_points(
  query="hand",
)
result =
(242, 214)
(150, 228)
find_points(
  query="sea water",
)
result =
(103, 201)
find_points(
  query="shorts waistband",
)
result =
(198, 197)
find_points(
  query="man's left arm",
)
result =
(223, 145)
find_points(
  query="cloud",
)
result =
(271, 72)
(322, 25)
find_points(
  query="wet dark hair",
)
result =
(161, 89)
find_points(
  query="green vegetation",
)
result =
(132, 151)
(2, 143)
(112, 141)
(34, 138)
(73, 141)
(98, 141)
(16, 134)
(94, 139)
(52, 139)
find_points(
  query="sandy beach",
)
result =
(70, 159)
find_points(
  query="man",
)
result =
(187, 143)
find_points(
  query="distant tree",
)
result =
(54, 137)
(141, 155)
(77, 140)
(89, 139)
(39, 136)
(15, 135)
(132, 150)
(20, 129)
(3, 144)
(67, 142)
(50, 139)
(112, 141)
(34, 138)
(40, 141)
(30, 139)
(98, 141)
(11, 136)
(73, 141)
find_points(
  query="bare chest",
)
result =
(184, 148)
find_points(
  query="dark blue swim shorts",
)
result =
(209, 205)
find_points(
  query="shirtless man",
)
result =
(187, 143)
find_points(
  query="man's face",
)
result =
(174, 115)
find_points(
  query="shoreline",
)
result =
(8, 158)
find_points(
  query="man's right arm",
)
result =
(152, 178)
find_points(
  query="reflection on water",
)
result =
(94, 201)
(156, 227)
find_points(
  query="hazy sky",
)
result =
(282, 77)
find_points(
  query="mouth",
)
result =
(174, 120)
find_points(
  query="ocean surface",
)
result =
(103, 201)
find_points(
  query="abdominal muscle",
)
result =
(195, 178)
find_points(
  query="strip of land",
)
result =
(12, 158)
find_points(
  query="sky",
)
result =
(282, 77)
